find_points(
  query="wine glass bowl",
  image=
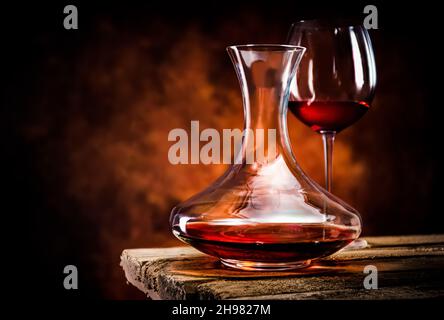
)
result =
(338, 65)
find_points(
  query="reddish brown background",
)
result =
(92, 108)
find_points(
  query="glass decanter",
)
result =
(264, 212)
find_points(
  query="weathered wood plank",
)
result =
(405, 240)
(408, 266)
(333, 280)
(353, 294)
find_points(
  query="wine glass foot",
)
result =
(264, 266)
(357, 245)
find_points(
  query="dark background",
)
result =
(88, 112)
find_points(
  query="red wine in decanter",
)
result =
(266, 242)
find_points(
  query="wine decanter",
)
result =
(264, 212)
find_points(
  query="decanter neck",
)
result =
(264, 108)
(264, 73)
(262, 124)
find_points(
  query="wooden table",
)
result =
(409, 267)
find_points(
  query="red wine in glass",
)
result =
(333, 116)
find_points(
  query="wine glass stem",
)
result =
(328, 137)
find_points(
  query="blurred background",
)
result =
(89, 111)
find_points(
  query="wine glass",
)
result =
(335, 81)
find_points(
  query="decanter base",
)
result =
(357, 244)
(264, 266)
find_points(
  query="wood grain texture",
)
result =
(409, 267)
